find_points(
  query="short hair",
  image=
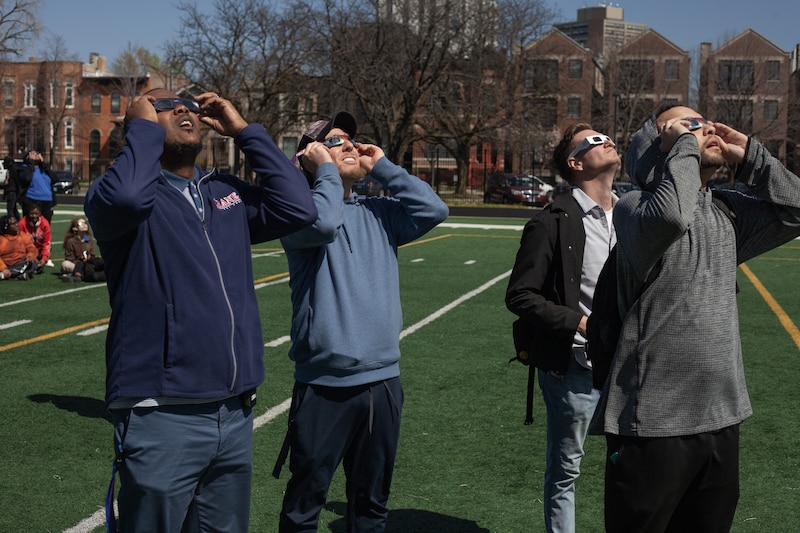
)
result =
(5, 224)
(562, 150)
(665, 106)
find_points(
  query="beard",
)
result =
(711, 160)
(182, 149)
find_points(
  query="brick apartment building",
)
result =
(746, 83)
(70, 111)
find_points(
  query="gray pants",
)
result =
(185, 467)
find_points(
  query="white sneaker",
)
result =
(49, 263)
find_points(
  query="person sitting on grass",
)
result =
(38, 227)
(17, 252)
(80, 262)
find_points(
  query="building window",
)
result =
(770, 109)
(69, 134)
(54, 94)
(575, 68)
(115, 99)
(573, 107)
(735, 77)
(541, 75)
(672, 69)
(94, 144)
(8, 93)
(289, 145)
(69, 95)
(773, 70)
(30, 95)
(96, 99)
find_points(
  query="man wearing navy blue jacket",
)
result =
(184, 351)
(347, 398)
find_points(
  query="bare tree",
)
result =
(19, 26)
(476, 96)
(249, 51)
(133, 66)
(383, 59)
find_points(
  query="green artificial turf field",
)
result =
(466, 461)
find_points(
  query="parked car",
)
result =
(506, 188)
(64, 182)
(369, 186)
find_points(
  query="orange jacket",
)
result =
(15, 248)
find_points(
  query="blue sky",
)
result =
(107, 26)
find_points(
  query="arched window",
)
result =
(96, 99)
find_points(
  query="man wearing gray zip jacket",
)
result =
(184, 350)
(346, 325)
(676, 393)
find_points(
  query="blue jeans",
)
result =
(570, 402)
(185, 467)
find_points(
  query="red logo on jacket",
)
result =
(229, 201)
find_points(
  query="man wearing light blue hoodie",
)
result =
(347, 398)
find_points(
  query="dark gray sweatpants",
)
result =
(356, 426)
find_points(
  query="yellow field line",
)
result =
(423, 241)
(58, 333)
(783, 317)
(270, 278)
(86, 325)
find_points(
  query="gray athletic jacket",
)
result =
(678, 367)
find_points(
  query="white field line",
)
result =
(14, 324)
(99, 518)
(84, 287)
(93, 331)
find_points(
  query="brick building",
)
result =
(746, 83)
(72, 112)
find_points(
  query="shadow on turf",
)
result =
(86, 407)
(404, 520)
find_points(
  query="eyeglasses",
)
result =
(588, 142)
(695, 123)
(338, 140)
(167, 104)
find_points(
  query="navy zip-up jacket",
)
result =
(184, 316)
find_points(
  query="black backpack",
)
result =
(604, 324)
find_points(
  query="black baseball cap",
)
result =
(320, 129)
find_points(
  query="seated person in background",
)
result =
(17, 252)
(35, 225)
(80, 263)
